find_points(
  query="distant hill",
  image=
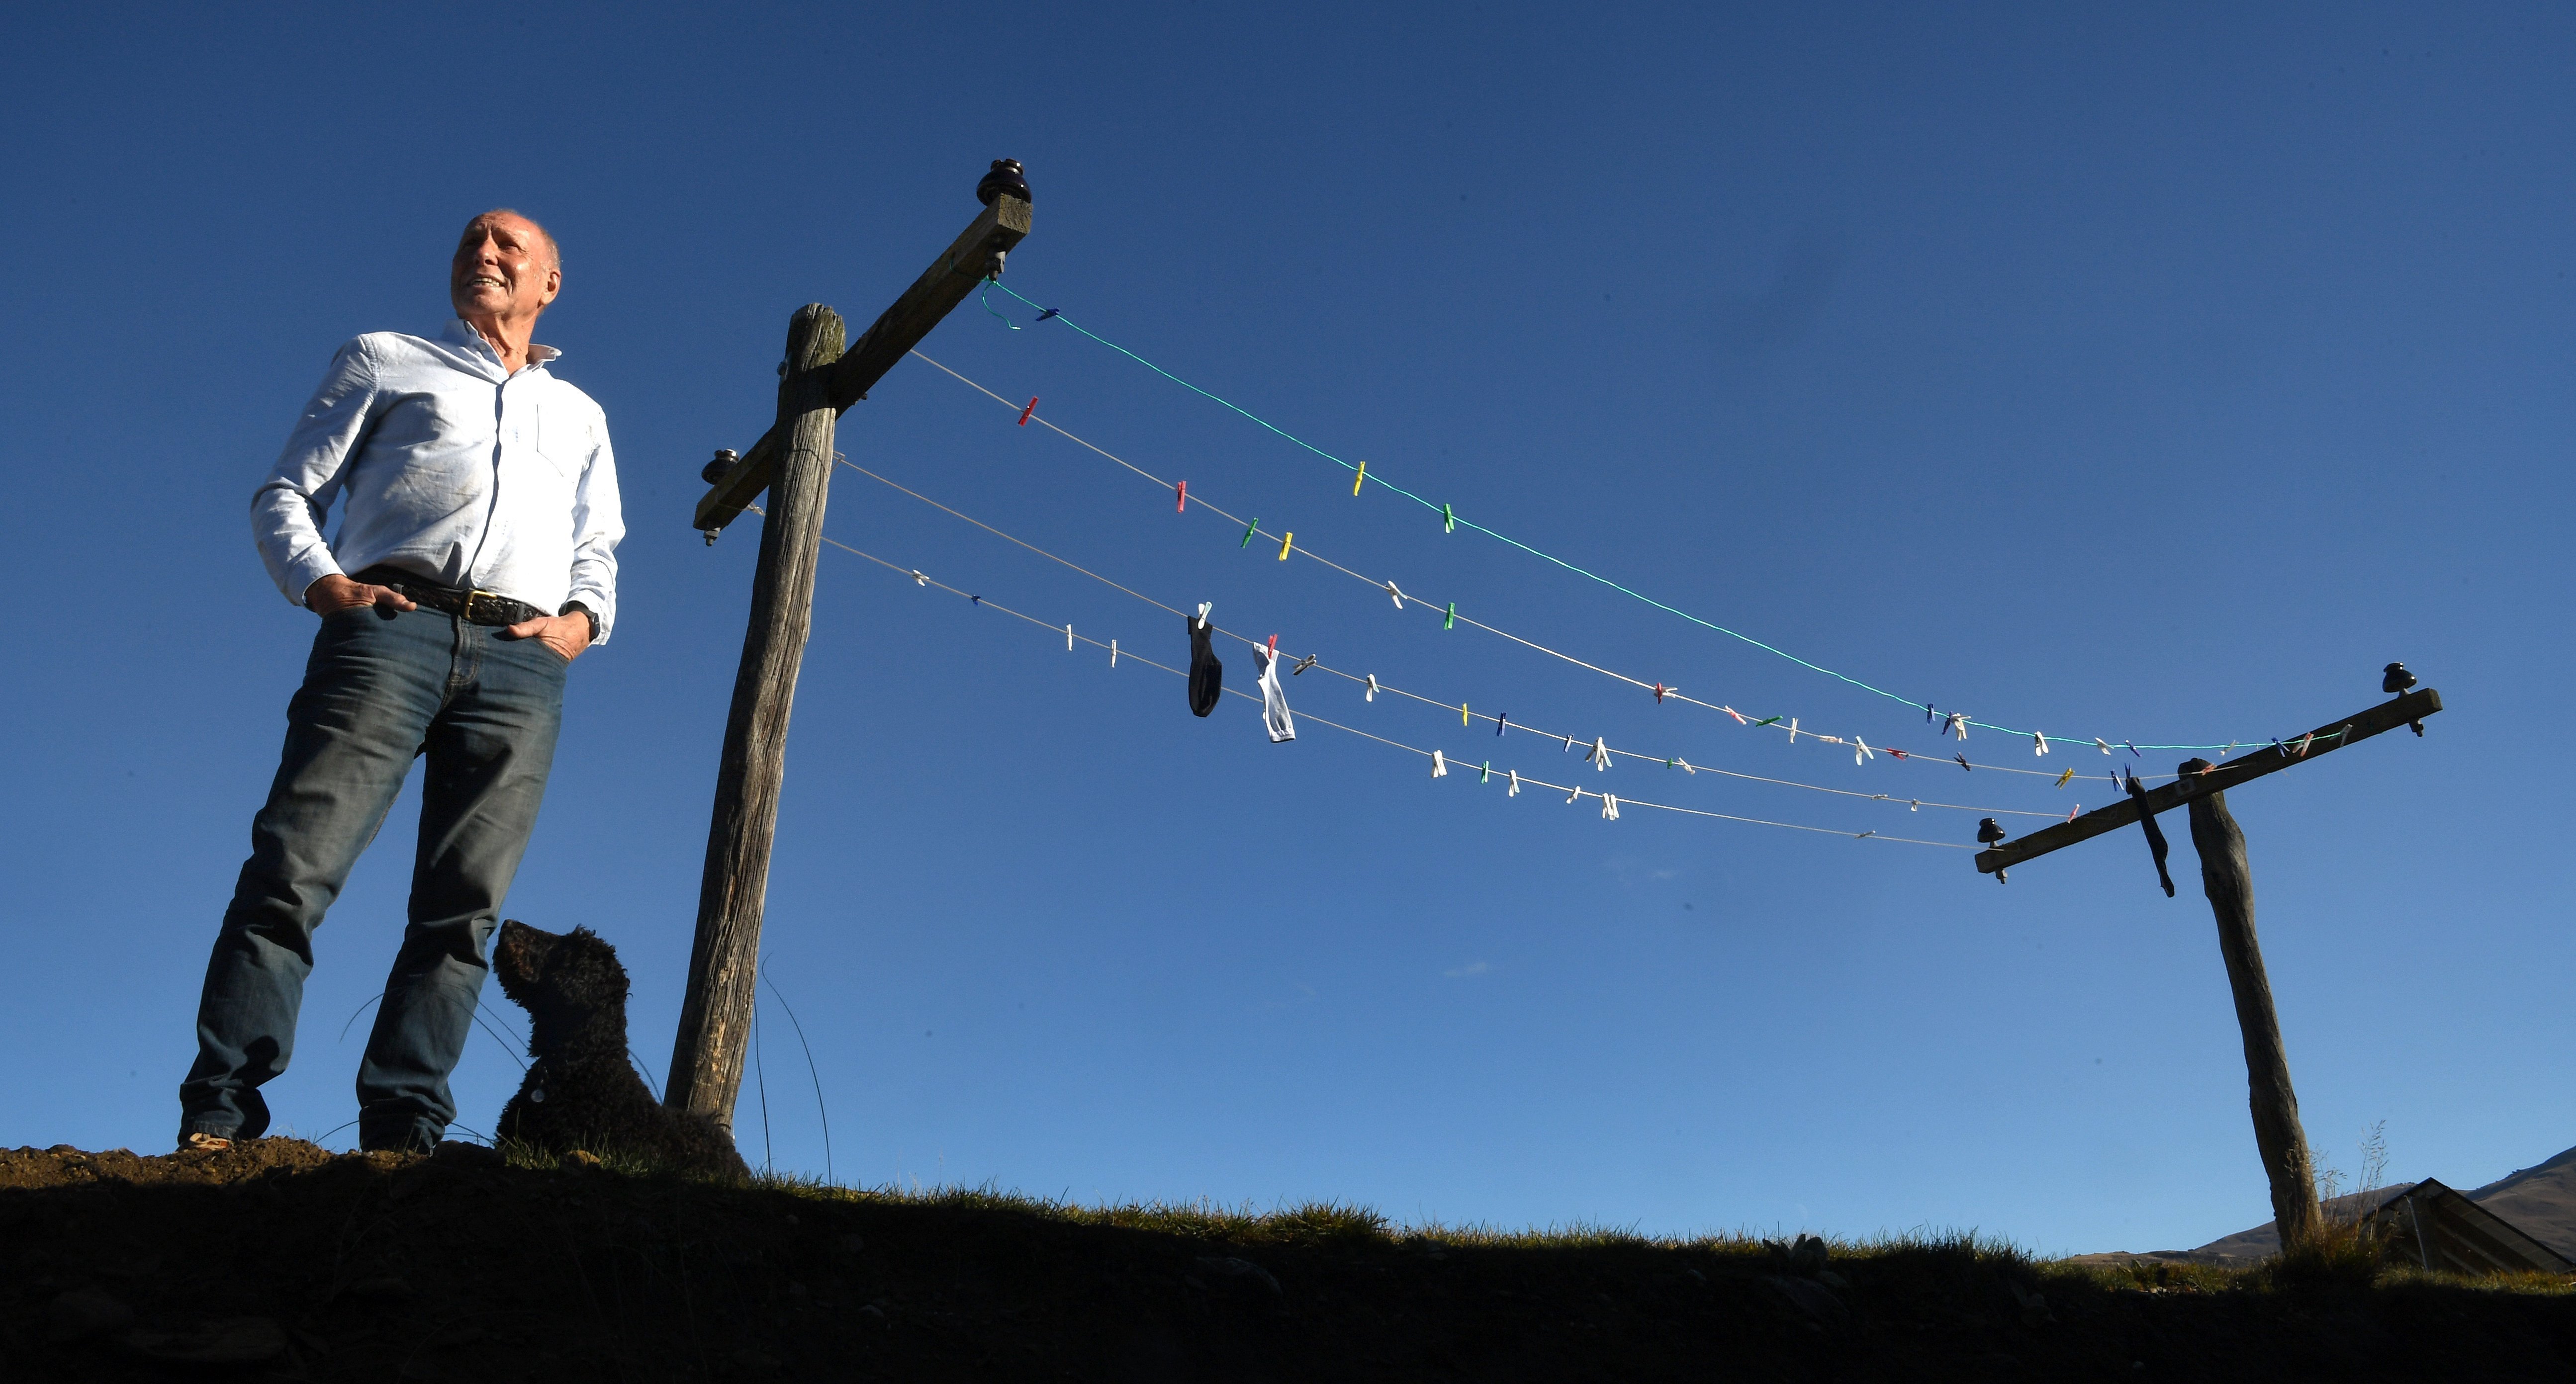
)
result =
(2540, 1201)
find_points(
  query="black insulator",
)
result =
(2395, 679)
(1988, 832)
(1007, 176)
(715, 470)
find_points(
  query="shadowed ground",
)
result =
(281, 1260)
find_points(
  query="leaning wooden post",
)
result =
(706, 1060)
(2277, 1133)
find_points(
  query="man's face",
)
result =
(502, 270)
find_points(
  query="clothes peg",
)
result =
(2071, 811)
(1860, 750)
(2100, 744)
(1439, 765)
(1204, 608)
(1514, 790)
(1068, 638)
(1487, 775)
(1963, 762)
(1660, 690)
(1927, 713)
(1914, 805)
(1284, 544)
(1609, 807)
(1355, 480)
(2304, 742)
(1274, 648)
(1765, 721)
(1181, 497)
(1113, 653)
(1793, 729)
(1957, 724)
(1462, 713)
(1600, 754)
(1372, 689)
(1032, 408)
(1570, 797)
(2132, 747)
(1738, 715)
(918, 579)
(1900, 754)
(1865, 835)
(1050, 312)
(1685, 765)
(1398, 595)
(974, 600)
(1569, 744)
(1829, 739)
(1302, 665)
(2038, 743)
(1451, 622)
(1248, 531)
(1448, 520)
(1499, 722)
(2062, 778)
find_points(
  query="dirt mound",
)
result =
(280, 1260)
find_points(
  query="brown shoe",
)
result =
(198, 1141)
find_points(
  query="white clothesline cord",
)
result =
(1574, 792)
(1499, 722)
(1252, 529)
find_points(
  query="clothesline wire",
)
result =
(1575, 792)
(1498, 721)
(1450, 516)
(1435, 607)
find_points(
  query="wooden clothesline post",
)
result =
(818, 382)
(2229, 882)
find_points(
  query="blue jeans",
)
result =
(484, 709)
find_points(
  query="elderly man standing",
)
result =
(476, 559)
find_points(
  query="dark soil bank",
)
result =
(282, 1261)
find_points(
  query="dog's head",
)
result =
(564, 977)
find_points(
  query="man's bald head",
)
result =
(554, 252)
(506, 270)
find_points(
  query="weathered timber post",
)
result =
(706, 1059)
(2278, 1137)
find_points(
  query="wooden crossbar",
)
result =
(976, 254)
(2324, 740)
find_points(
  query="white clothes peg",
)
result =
(1068, 638)
(2101, 744)
(1372, 688)
(1397, 595)
(1113, 653)
(1600, 754)
(1439, 765)
(1685, 766)
(1514, 790)
(2038, 743)
(1570, 797)
(1793, 730)
(1609, 807)
(1861, 750)
(1204, 608)
(918, 579)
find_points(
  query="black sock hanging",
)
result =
(2155, 834)
(1207, 676)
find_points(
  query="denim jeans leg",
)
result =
(489, 752)
(370, 688)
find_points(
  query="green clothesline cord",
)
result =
(1451, 519)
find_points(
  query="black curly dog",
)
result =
(580, 1092)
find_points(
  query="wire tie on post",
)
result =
(1031, 409)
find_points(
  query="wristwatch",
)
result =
(586, 613)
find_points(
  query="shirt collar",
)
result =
(462, 333)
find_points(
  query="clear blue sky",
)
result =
(2153, 374)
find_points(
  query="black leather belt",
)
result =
(473, 607)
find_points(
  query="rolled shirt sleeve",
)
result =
(289, 508)
(598, 525)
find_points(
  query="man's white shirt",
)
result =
(451, 467)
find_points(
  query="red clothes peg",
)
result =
(1032, 408)
(1182, 501)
